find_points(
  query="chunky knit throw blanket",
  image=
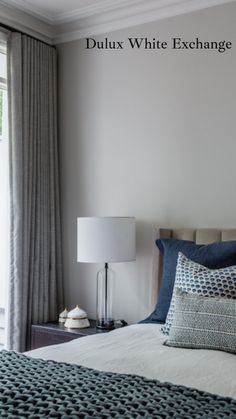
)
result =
(31, 388)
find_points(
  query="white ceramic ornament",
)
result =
(77, 319)
(63, 316)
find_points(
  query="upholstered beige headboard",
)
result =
(199, 236)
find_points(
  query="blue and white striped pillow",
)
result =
(203, 323)
(197, 279)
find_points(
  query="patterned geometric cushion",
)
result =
(214, 256)
(203, 323)
(197, 279)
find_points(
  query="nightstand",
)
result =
(46, 334)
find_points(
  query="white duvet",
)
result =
(138, 349)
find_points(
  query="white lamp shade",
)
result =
(106, 239)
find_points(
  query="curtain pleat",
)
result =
(36, 289)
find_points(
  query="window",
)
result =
(4, 189)
(3, 94)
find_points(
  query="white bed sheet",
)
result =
(138, 349)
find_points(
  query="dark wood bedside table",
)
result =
(46, 334)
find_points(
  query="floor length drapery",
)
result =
(35, 292)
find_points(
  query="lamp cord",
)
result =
(121, 321)
(106, 269)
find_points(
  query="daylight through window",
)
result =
(4, 189)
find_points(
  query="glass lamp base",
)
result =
(105, 292)
(105, 324)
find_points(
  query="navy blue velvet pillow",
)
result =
(213, 256)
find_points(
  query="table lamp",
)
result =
(104, 240)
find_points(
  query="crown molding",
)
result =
(26, 23)
(104, 6)
(27, 8)
(139, 12)
(101, 17)
(75, 14)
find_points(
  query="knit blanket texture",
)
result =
(34, 388)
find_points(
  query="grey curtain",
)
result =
(35, 292)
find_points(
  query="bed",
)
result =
(127, 372)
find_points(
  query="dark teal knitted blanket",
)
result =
(31, 388)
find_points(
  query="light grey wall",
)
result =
(149, 134)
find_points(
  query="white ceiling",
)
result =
(56, 21)
(52, 9)
(55, 8)
(57, 11)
